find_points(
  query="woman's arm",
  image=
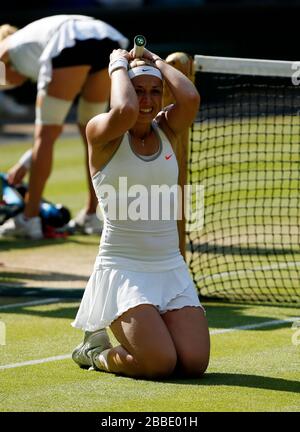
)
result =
(17, 172)
(123, 112)
(12, 77)
(187, 99)
(106, 128)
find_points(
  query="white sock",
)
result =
(101, 361)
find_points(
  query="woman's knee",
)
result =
(194, 364)
(161, 364)
(46, 135)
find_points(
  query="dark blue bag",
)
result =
(12, 203)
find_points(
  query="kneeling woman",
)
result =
(140, 287)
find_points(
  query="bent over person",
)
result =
(140, 287)
(67, 56)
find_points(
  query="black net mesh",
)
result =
(245, 151)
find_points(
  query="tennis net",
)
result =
(245, 151)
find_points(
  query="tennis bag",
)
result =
(12, 203)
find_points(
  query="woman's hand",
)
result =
(119, 54)
(119, 59)
(16, 174)
(147, 55)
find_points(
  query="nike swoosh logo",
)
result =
(145, 70)
(167, 157)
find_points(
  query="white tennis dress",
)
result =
(139, 261)
(32, 47)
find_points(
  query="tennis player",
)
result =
(140, 286)
(67, 56)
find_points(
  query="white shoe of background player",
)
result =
(86, 223)
(18, 226)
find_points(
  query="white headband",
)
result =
(144, 70)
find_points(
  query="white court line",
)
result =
(253, 326)
(33, 362)
(277, 266)
(30, 303)
(39, 361)
(213, 332)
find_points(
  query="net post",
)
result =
(184, 63)
(181, 154)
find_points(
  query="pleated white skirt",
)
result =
(111, 292)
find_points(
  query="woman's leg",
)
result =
(146, 349)
(96, 87)
(189, 331)
(41, 165)
(66, 83)
(96, 90)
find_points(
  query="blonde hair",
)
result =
(6, 30)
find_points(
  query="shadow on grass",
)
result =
(225, 315)
(11, 276)
(16, 283)
(242, 380)
(241, 250)
(56, 311)
(17, 244)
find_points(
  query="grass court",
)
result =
(254, 362)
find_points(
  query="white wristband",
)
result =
(25, 159)
(121, 62)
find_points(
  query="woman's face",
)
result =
(149, 90)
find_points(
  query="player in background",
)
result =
(67, 56)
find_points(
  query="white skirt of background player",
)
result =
(66, 38)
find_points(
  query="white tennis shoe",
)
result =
(93, 344)
(18, 226)
(86, 223)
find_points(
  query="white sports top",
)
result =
(32, 47)
(152, 244)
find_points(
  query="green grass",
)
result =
(254, 370)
